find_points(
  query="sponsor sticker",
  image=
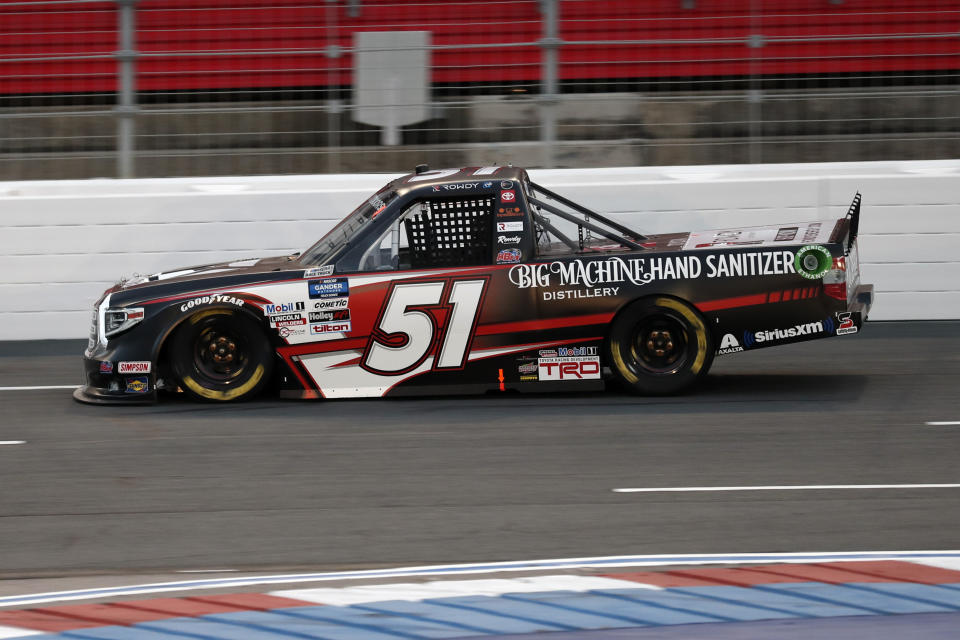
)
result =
(547, 353)
(640, 271)
(508, 256)
(331, 303)
(215, 299)
(106, 367)
(813, 261)
(765, 237)
(330, 327)
(527, 368)
(786, 234)
(509, 212)
(729, 344)
(507, 227)
(458, 186)
(576, 351)
(336, 315)
(811, 232)
(506, 184)
(283, 307)
(569, 368)
(330, 288)
(508, 196)
(285, 317)
(501, 239)
(378, 206)
(487, 185)
(577, 294)
(846, 325)
(134, 367)
(751, 339)
(319, 272)
(287, 332)
(138, 385)
(289, 323)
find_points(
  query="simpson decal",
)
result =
(134, 367)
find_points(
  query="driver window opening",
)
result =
(448, 232)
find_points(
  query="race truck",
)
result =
(469, 281)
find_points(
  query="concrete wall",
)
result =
(63, 242)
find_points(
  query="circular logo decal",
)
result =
(813, 261)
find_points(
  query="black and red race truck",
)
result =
(474, 280)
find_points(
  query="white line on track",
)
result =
(57, 386)
(803, 487)
(3, 442)
(489, 567)
(206, 571)
(949, 423)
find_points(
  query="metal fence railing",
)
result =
(210, 87)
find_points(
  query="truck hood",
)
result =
(246, 266)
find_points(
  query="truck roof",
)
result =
(440, 178)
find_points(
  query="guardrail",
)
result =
(63, 242)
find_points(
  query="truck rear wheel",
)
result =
(659, 346)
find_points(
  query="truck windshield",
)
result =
(334, 239)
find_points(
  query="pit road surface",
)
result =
(365, 483)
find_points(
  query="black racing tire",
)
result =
(659, 346)
(221, 355)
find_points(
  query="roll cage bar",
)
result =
(626, 236)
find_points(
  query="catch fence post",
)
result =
(126, 108)
(549, 45)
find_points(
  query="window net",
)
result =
(451, 233)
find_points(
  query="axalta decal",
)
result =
(216, 299)
(729, 344)
(642, 271)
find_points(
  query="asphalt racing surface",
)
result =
(368, 483)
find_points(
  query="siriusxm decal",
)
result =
(330, 288)
(752, 339)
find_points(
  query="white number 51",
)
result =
(406, 331)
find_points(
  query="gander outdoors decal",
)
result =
(330, 288)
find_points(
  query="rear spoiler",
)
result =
(853, 215)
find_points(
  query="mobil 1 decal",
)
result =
(430, 320)
(604, 276)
